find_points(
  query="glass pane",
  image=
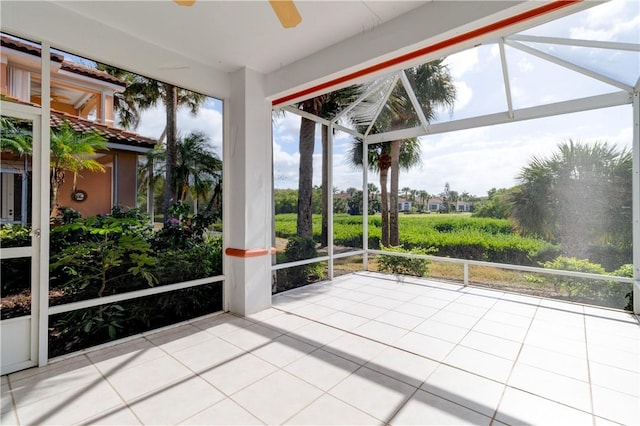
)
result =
(299, 276)
(16, 287)
(298, 191)
(81, 329)
(116, 225)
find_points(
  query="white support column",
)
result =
(247, 202)
(365, 204)
(635, 197)
(330, 200)
(40, 211)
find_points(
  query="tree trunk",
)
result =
(324, 239)
(305, 178)
(171, 151)
(394, 232)
(384, 164)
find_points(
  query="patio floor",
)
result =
(364, 349)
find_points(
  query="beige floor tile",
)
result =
(6, 401)
(517, 305)
(9, 418)
(225, 324)
(317, 334)
(555, 362)
(356, 296)
(116, 416)
(177, 339)
(416, 310)
(430, 302)
(614, 357)
(344, 321)
(55, 369)
(252, 337)
(238, 373)
(125, 355)
(466, 389)
(263, 315)
(364, 310)
(208, 354)
(455, 319)
(398, 294)
(355, 348)
(441, 330)
(615, 378)
(148, 377)
(551, 342)
(614, 341)
(468, 310)
(380, 332)
(322, 369)
(426, 409)
(520, 408)
(223, 413)
(70, 406)
(178, 402)
(400, 319)
(286, 322)
(404, 366)
(618, 407)
(562, 389)
(493, 345)
(277, 397)
(328, 410)
(505, 331)
(383, 302)
(481, 363)
(313, 312)
(283, 350)
(508, 318)
(420, 344)
(374, 393)
(479, 298)
(335, 303)
(45, 385)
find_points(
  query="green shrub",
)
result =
(298, 248)
(598, 292)
(626, 271)
(404, 265)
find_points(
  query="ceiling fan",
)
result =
(285, 10)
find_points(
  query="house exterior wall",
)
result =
(97, 185)
(126, 180)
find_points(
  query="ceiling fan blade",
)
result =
(185, 2)
(287, 12)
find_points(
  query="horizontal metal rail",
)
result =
(507, 266)
(83, 304)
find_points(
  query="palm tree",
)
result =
(198, 168)
(71, 151)
(13, 139)
(144, 93)
(325, 106)
(579, 196)
(433, 86)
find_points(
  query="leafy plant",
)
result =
(404, 265)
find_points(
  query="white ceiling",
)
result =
(197, 47)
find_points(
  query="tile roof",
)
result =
(73, 67)
(112, 134)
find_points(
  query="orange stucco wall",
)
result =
(97, 185)
(127, 162)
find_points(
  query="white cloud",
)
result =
(609, 22)
(462, 63)
(464, 93)
(525, 65)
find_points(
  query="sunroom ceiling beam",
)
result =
(559, 108)
(577, 68)
(505, 77)
(414, 100)
(320, 120)
(614, 45)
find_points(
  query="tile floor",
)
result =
(364, 349)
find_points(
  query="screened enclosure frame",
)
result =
(622, 94)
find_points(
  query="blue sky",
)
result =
(477, 160)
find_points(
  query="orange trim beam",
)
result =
(542, 10)
(234, 252)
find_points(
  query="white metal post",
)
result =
(329, 192)
(635, 197)
(41, 206)
(365, 204)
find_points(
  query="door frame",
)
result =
(39, 241)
